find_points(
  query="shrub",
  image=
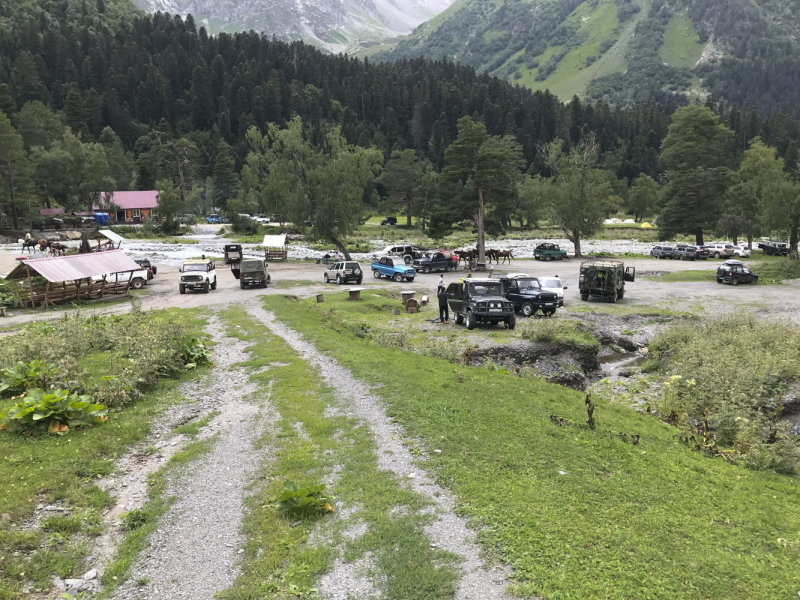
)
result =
(297, 499)
(22, 376)
(560, 332)
(194, 352)
(58, 409)
(135, 519)
(740, 401)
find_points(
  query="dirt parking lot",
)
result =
(304, 278)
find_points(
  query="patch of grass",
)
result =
(284, 284)
(192, 429)
(49, 469)
(560, 332)
(770, 272)
(681, 47)
(706, 276)
(278, 561)
(648, 521)
(62, 523)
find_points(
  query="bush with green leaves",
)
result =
(740, 400)
(23, 376)
(563, 332)
(297, 499)
(53, 408)
(194, 352)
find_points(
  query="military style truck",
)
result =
(480, 301)
(604, 279)
(253, 272)
(199, 274)
(549, 251)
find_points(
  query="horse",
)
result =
(30, 244)
(505, 254)
(465, 255)
(493, 254)
(43, 244)
(57, 248)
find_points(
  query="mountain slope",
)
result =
(337, 25)
(745, 51)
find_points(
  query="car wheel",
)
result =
(426, 269)
(549, 313)
(338, 280)
(470, 321)
(325, 277)
(359, 280)
(264, 284)
(719, 280)
(182, 289)
(682, 257)
(613, 298)
(398, 278)
(734, 281)
(214, 284)
(584, 297)
(408, 259)
(548, 257)
(376, 274)
(241, 284)
(511, 322)
(447, 268)
(137, 283)
(716, 254)
(459, 319)
(409, 279)
(528, 310)
(206, 287)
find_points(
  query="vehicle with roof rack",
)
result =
(479, 300)
(604, 279)
(548, 251)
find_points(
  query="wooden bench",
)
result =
(423, 301)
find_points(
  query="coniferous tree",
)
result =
(226, 182)
(401, 177)
(15, 170)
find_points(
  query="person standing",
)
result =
(444, 316)
(441, 283)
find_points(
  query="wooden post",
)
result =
(103, 286)
(30, 286)
(19, 293)
(47, 295)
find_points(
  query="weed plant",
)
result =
(740, 400)
(560, 332)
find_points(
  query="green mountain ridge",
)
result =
(626, 50)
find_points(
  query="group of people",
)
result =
(336, 257)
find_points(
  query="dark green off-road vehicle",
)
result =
(480, 301)
(604, 279)
(253, 272)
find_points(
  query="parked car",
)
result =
(549, 251)
(138, 279)
(689, 252)
(741, 250)
(433, 261)
(604, 279)
(734, 272)
(553, 284)
(528, 296)
(662, 252)
(233, 253)
(199, 274)
(774, 248)
(393, 267)
(476, 301)
(253, 272)
(408, 252)
(389, 221)
(214, 219)
(146, 264)
(344, 271)
(719, 249)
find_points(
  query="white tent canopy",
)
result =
(275, 241)
(114, 237)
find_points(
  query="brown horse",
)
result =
(504, 254)
(43, 244)
(465, 255)
(492, 254)
(57, 249)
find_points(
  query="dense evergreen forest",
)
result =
(164, 100)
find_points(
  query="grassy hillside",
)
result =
(625, 50)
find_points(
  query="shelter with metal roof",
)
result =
(276, 247)
(49, 281)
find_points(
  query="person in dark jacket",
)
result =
(444, 316)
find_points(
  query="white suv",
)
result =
(138, 279)
(198, 275)
(343, 271)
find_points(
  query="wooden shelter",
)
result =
(276, 247)
(106, 240)
(46, 282)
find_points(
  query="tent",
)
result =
(646, 225)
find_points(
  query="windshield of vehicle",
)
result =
(550, 283)
(350, 265)
(252, 265)
(486, 289)
(195, 267)
(528, 284)
(397, 261)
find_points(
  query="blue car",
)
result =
(393, 267)
(214, 219)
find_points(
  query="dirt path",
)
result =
(448, 531)
(194, 552)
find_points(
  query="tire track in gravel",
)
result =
(194, 552)
(449, 532)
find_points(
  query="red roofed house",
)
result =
(133, 207)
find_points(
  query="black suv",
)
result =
(528, 296)
(690, 252)
(774, 248)
(389, 221)
(148, 266)
(480, 301)
(734, 272)
(433, 261)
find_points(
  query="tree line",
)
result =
(95, 99)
